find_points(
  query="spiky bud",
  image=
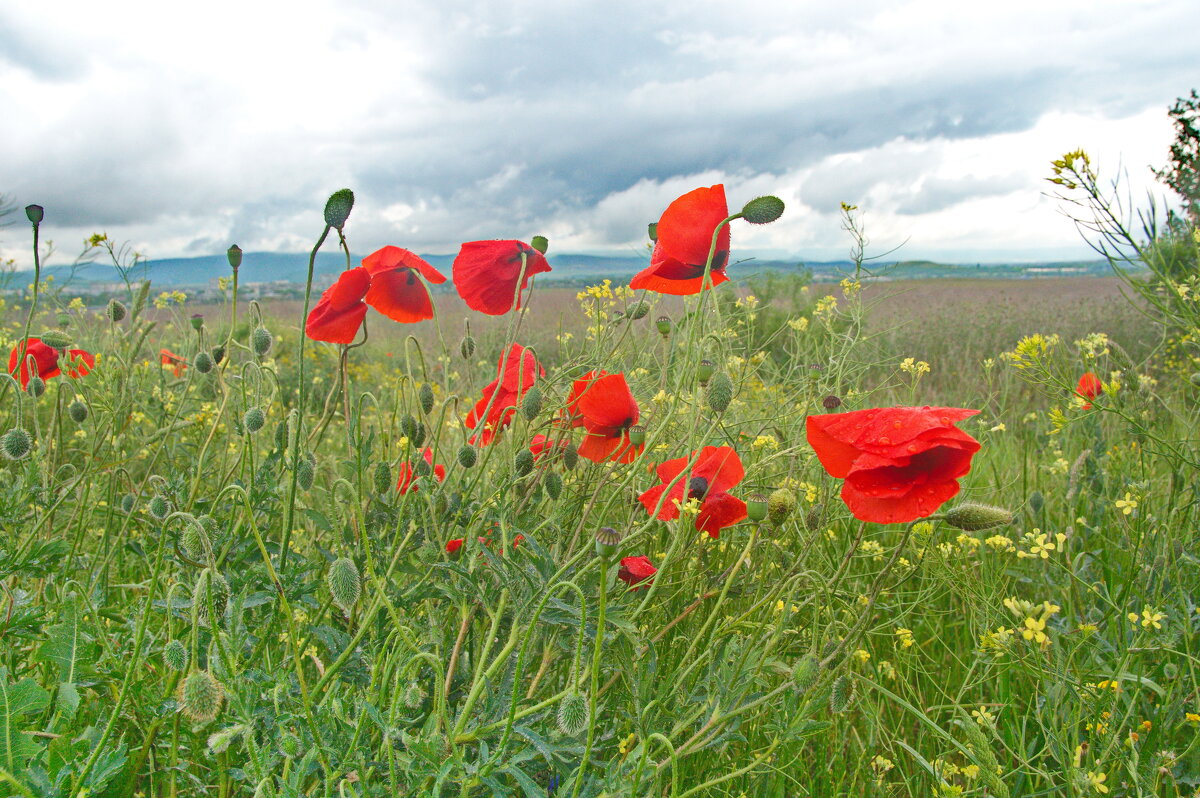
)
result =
(704, 371)
(805, 672)
(841, 694)
(203, 362)
(338, 207)
(78, 411)
(663, 323)
(128, 503)
(756, 507)
(639, 311)
(570, 457)
(201, 696)
(1037, 501)
(971, 517)
(540, 243)
(218, 353)
(552, 482)
(35, 213)
(254, 419)
(466, 347)
(345, 585)
(408, 428)
(194, 544)
(414, 695)
(425, 398)
(383, 478)
(56, 339)
(234, 255)
(175, 655)
(608, 540)
(719, 392)
(780, 504)
(210, 583)
(467, 455)
(762, 210)
(523, 462)
(572, 714)
(261, 340)
(116, 311)
(36, 387)
(306, 471)
(532, 404)
(159, 507)
(289, 745)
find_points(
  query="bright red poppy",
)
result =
(407, 479)
(1089, 387)
(685, 234)
(391, 280)
(168, 358)
(717, 469)
(46, 361)
(635, 569)
(453, 546)
(486, 274)
(516, 372)
(604, 406)
(899, 463)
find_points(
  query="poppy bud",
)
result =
(234, 254)
(175, 655)
(338, 207)
(16, 443)
(762, 210)
(56, 339)
(570, 457)
(306, 471)
(159, 507)
(115, 310)
(540, 243)
(414, 695)
(639, 311)
(972, 517)
(203, 362)
(756, 507)
(607, 542)
(1195, 379)
(218, 353)
(552, 482)
(425, 398)
(408, 428)
(663, 323)
(78, 411)
(720, 392)
(572, 714)
(210, 583)
(637, 435)
(289, 745)
(197, 321)
(805, 672)
(532, 404)
(261, 340)
(383, 478)
(1036, 502)
(345, 585)
(831, 402)
(193, 542)
(36, 387)
(254, 419)
(841, 694)
(35, 213)
(467, 455)
(467, 347)
(704, 371)
(128, 503)
(523, 462)
(652, 231)
(780, 505)
(201, 696)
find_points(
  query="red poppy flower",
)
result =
(1089, 387)
(685, 234)
(635, 569)
(516, 372)
(391, 280)
(603, 405)
(899, 463)
(453, 546)
(46, 361)
(544, 446)
(169, 358)
(486, 274)
(717, 469)
(407, 476)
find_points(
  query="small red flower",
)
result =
(516, 372)
(604, 406)
(899, 463)
(486, 274)
(717, 469)
(1089, 387)
(685, 234)
(169, 358)
(544, 446)
(46, 361)
(407, 481)
(453, 546)
(635, 569)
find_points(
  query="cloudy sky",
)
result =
(182, 128)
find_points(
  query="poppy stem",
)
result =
(23, 345)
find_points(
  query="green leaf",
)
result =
(69, 645)
(23, 698)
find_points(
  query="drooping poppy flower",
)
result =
(604, 406)
(635, 569)
(486, 274)
(516, 372)
(176, 363)
(46, 361)
(406, 475)
(1089, 387)
(685, 234)
(899, 463)
(717, 469)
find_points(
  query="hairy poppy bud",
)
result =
(254, 419)
(637, 435)
(261, 340)
(663, 323)
(523, 462)
(414, 695)
(201, 696)
(780, 505)
(639, 311)
(552, 482)
(175, 655)
(805, 672)
(704, 371)
(762, 210)
(197, 321)
(16, 443)
(841, 694)
(607, 542)
(972, 517)
(338, 207)
(720, 392)
(218, 353)
(234, 255)
(159, 507)
(532, 404)
(756, 507)
(116, 311)
(572, 716)
(193, 542)
(306, 471)
(570, 457)
(56, 339)
(78, 411)
(467, 347)
(203, 362)
(425, 398)
(652, 231)
(128, 503)
(467, 455)
(35, 213)
(36, 387)
(1036, 502)
(289, 745)
(383, 478)
(210, 583)
(831, 402)
(540, 243)
(345, 585)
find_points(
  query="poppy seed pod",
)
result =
(466, 347)
(203, 362)
(540, 243)
(159, 507)
(201, 696)
(78, 411)
(36, 387)
(234, 255)
(254, 419)
(197, 321)
(552, 482)
(467, 455)
(971, 517)
(338, 207)
(35, 213)
(720, 392)
(637, 435)
(56, 339)
(704, 371)
(780, 505)
(756, 507)
(608, 540)
(572, 716)
(639, 311)
(261, 340)
(345, 585)
(16, 443)
(663, 323)
(532, 404)
(523, 462)
(841, 694)
(383, 478)
(762, 210)
(116, 311)
(175, 655)
(425, 398)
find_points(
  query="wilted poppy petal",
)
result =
(486, 274)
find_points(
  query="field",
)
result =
(255, 564)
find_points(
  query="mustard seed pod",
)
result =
(608, 540)
(762, 210)
(540, 243)
(78, 411)
(345, 585)
(197, 321)
(203, 362)
(639, 311)
(971, 517)
(210, 582)
(306, 471)
(116, 311)
(338, 207)
(56, 339)
(467, 455)
(841, 694)
(805, 672)
(261, 341)
(234, 256)
(466, 347)
(523, 462)
(780, 505)
(719, 392)
(552, 482)
(175, 655)
(35, 213)
(756, 507)
(201, 696)
(425, 398)
(128, 503)
(663, 323)
(36, 387)
(704, 371)
(532, 404)
(383, 478)
(570, 457)
(159, 507)
(637, 435)
(572, 715)
(831, 402)
(254, 419)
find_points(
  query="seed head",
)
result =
(201, 696)
(197, 321)
(608, 540)
(35, 213)
(756, 507)
(780, 505)
(540, 243)
(637, 434)
(831, 402)
(234, 254)
(345, 585)
(704, 371)
(663, 323)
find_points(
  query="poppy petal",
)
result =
(327, 323)
(400, 295)
(486, 274)
(686, 227)
(390, 257)
(719, 510)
